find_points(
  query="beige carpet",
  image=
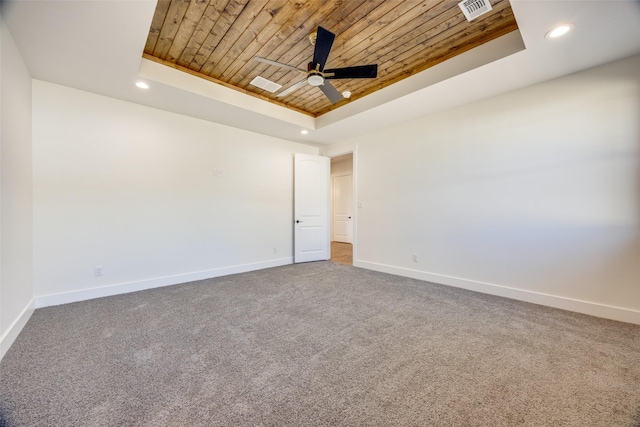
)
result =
(319, 344)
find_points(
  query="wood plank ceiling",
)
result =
(217, 39)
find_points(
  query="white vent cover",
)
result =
(265, 84)
(474, 8)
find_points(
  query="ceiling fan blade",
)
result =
(357, 72)
(278, 64)
(292, 89)
(331, 92)
(324, 41)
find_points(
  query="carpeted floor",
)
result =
(319, 344)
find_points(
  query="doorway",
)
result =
(342, 215)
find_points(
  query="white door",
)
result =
(342, 205)
(311, 208)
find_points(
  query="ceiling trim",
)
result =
(220, 82)
(188, 82)
(173, 75)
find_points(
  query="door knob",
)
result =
(349, 217)
(297, 221)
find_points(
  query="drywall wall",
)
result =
(150, 198)
(534, 194)
(16, 290)
(342, 166)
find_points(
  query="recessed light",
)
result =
(558, 31)
(304, 131)
(142, 85)
(346, 94)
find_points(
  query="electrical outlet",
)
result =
(415, 257)
(97, 270)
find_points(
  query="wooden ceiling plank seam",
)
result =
(467, 36)
(436, 31)
(213, 80)
(432, 35)
(438, 55)
(268, 32)
(394, 18)
(222, 25)
(304, 59)
(390, 10)
(401, 41)
(297, 41)
(362, 51)
(264, 18)
(203, 29)
(225, 21)
(448, 18)
(187, 27)
(426, 43)
(349, 20)
(398, 23)
(156, 25)
(253, 68)
(301, 52)
(508, 24)
(299, 5)
(400, 74)
(242, 21)
(397, 78)
(344, 23)
(360, 29)
(320, 106)
(359, 86)
(253, 50)
(390, 74)
(298, 56)
(172, 22)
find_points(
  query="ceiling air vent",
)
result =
(265, 84)
(474, 8)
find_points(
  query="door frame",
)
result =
(332, 152)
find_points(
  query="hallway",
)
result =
(342, 253)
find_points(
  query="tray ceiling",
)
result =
(217, 40)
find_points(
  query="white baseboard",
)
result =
(578, 306)
(7, 339)
(123, 288)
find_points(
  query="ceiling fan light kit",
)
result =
(316, 73)
(315, 80)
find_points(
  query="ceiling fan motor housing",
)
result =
(315, 77)
(316, 73)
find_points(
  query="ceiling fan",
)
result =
(317, 75)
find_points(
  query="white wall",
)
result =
(16, 291)
(134, 190)
(533, 195)
(342, 166)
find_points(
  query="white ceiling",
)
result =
(74, 43)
